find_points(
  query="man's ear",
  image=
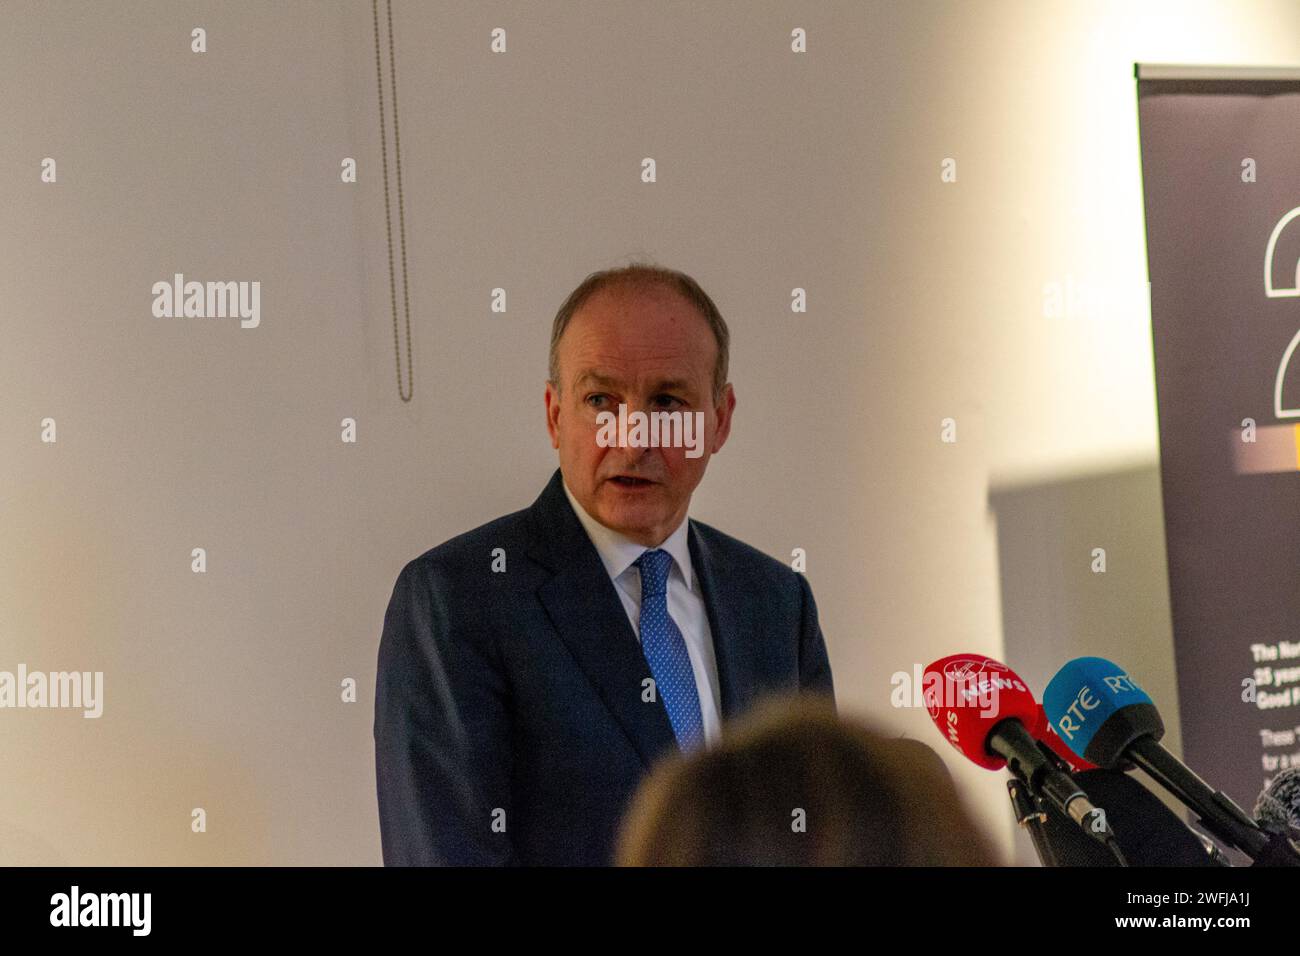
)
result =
(553, 413)
(723, 412)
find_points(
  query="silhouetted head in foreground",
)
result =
(795, 785)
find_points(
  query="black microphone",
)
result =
(1278, 807)
(1278, 811)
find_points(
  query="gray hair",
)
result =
(640, 275)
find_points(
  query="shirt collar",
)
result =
(618, 552)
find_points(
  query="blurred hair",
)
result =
(641, 275)
(867, 800)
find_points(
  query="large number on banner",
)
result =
(1274, 293)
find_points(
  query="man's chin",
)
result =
(633, 513)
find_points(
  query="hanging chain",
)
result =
(403, 394)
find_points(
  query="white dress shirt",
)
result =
(685, 601)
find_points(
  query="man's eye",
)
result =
(594, 400)
(668, 399)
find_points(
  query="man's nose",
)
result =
(633, 454)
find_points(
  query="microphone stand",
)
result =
(1027, 814)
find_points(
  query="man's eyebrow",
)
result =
(597, 378)
(608, 381)
(673, 385)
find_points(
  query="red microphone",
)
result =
(987, 712)
(959, 689)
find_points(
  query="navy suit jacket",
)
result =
(510, 725)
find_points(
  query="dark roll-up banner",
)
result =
(1221, 185)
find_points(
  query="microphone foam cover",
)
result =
(1278, 807)
(967, 695)
(1097, 710)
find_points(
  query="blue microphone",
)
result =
(1098, 710)
(1105, 717)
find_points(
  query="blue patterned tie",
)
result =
(665, 651)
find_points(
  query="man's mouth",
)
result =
(630, 481)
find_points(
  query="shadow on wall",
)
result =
(1056, 607)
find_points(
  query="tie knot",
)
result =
(654, 567)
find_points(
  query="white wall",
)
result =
(522, 171)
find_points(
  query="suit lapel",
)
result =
(589, 617)
(732, 619)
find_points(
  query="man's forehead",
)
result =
(653, 312)
(625, 336)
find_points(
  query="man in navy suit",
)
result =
(532, 670)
